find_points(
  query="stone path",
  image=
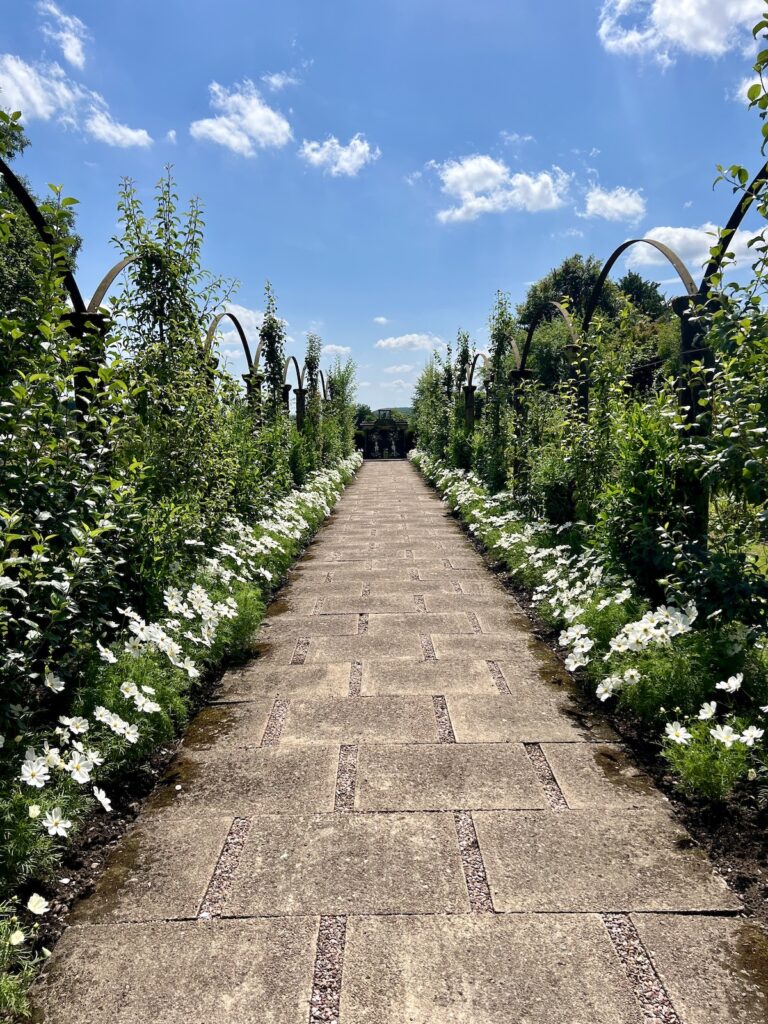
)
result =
(396, 814)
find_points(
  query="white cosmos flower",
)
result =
(132, 733)
(56, 823)
(37, 905)
(79, 767)
(751, 734)
(16, 938)
(35, 773)
(129, 689)
(732, 683)
(105, 654)
(189, 667)
(724, 734)
(631, 676)
(103, 799)
(708, 709)
(678, 733)
(53, 682)
(34, 810)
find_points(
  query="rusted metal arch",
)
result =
(751, 193)
(471, 366)
(240, 333)
(299, 372)
(104, 285)
(324, 391)
(564, 315)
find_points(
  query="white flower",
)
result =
(35, 773)
(79, 767)
(53, 682)
(631, 676)
(133, 646)
(189, 667)
(34, 810)
(16, 938)
(622, 596)
(103, 799)
(76, 724)
(37, 905)
(105, 654)
(132, 733)
(750, 734)
(56, 823)
(707, 710)
(678, 733)
(732, 684)
(129, 689)
(605, 689)
(724, 734)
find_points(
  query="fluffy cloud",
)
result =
(250, 320)
(692, 245)
(415, 342)
(479, 184)
(66, 31)
(515, 138)
(244, 123)
(279, 80)
(400, 368)
(336, 350)
(336, 159)
(398, 385)
(43, 91)
(381, 320)
(101, 125)
(624, 204)
(665, 27)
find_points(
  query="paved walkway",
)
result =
(395, 814)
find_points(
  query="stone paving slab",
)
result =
(600, 775)
(406, 719)
(253, 682)
(483, 969)
(160, 870)
(714, 968)
(579, 861)
(510, 719)
(272, 780)
(347, 648)
(310, 625)
(227, 726)
(206, 972)
(403, 675)
(349, 864)
(445, 777)
(391, 604)
(443, 585)
(514, 647)
(420, 622)
(483, 605)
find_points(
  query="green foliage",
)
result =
(704, 767)
(574, 281)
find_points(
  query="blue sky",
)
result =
(389, 166)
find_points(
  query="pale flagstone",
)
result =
(206, 972)
(404, 675)
(715, 968)
(253, 682)
(596, 860)
(408, 719)
(160, 870)
(484, 969)
(370, 665)
(445, 776)
(349, 864)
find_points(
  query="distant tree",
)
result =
(273, 338)
(362, 412)
(644, 295)
(575, 280)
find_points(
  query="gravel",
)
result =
(300, 653)
(346, 777)
(418, 600)
(426, 647)
(472, 862)
(444, 727)
(649, 990)
(329, 960)
(544, 774)
(362, 623)
(215, 894)
(356, 679)
(275, 723)
(498, 678)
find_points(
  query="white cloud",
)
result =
(40, 91)
(336, 350)
(102, 126)
(515, 138)
(663, 28)
(398, 385)
(481, 184)
(381, 320)
(336, 159)
(66, 31)
(43, 91)
(692, 245)
(415, 342)
(170, 136)
(364, 384)
(739, 93)
(279, 80)
(400, 368)
(624, 204)
(250, 320)
(245, 122)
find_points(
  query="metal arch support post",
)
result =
(565, 316)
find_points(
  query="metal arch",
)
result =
(31, 209)
(738, 215)
(286, 366)
(98, 296)
(565, 316)
(241, 333)
(682, 272)
(473, 364)
(321, 378)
